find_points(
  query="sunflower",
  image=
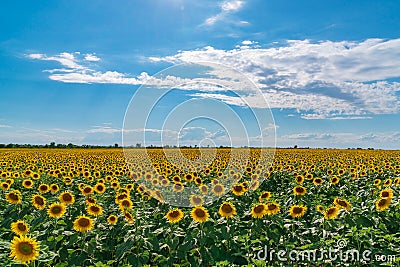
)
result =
(83, 224)
(94, 210)
(174, 216)
(297, 211)
(320, 209)
(112, 219)
(383, 203)
(27, 183)
(87, 190)
(342, 203)
(259, 210)
(100, 188)
(317, 181)
(39, 202)
(24, 249)
(388, 182)
(178, 187)
(299, 179)
(14, 197)
(331, 213)
(54, 188)
(43, 188)
(335, 180)
(377, 182)
(125, 204)
(203, 189)
(199, 214)
(4, 186)
(164, 182)
(386, 193)
(238, 190)
(227, 210)
(19, 228)
(273, 208)
(56, 210)
(90, 200)
(264, 196)
(218, 189)
(196, 200)
(67, 198)
(299, 190)
(129, 217)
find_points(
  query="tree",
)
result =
(138, 145)
(116, 145)
(52, 145)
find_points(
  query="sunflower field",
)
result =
(93, 207)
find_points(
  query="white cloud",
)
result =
(322, 80)
(227, 7)
(4, 126)
(91, 57)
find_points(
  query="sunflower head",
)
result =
(383, 203)
(199, 214)
(386, 193)
(196, 200)
(299, 190)
(335, 180)
(299, 179)
(94, 210)
(24, 249)
(39, 202)
(331, 213)
(19, 228)
(273, 208)
(43, 188)
(56, 210)
(27, 183)
(218, 189)
(112, 219)
(297, 211)
(320, 209)
(342, 203)
(83, 224)
(67, 198)
(317, 181)
(227, 210)
(174, 216)
(14, 197)
(264, 196)
(259, 210)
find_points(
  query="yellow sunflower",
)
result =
(342, 203)
(320, 209)
(273, 208)
(112, 219)
(335, 180)
(178, 187)
(56, 210)
(43, 188)
(54, 188)
(299, 190)
(388, 182)
(87, 190)
(129, 217)
(67, 198)
(227, 210)
(100, 188)
(27, 183)
(259, 210)
(386, 193)
(39, 202)
(318, 181)
(297, 211)
(383, 203)
(174, 216)
(19, 228)
(83, 224)
(14, 197)
(238, 190)
(331, 213)
(299, 179)
(125, 204)
(94, 210)
(24, 249)
(203, 189)
(264, 196)
(199, 214)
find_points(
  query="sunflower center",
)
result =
(67, 197)
(330, 211)
(95, 209)
(299, 190)
(385, 194)
(174, 214)
(39, 201)
(297, 210)
(259, 209)
(200, 213)
(238, 188)
(56, 210)
(14, 196)
(227, 208)
(272, 206)
(382, 202)
(100, 188)
(218, 188)
(25, 248)
(21, 227)
(84, 222)
(342, 203)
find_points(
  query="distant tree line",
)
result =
(54, 145)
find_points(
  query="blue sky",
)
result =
(329, 71)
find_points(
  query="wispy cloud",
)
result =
(227, 7)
